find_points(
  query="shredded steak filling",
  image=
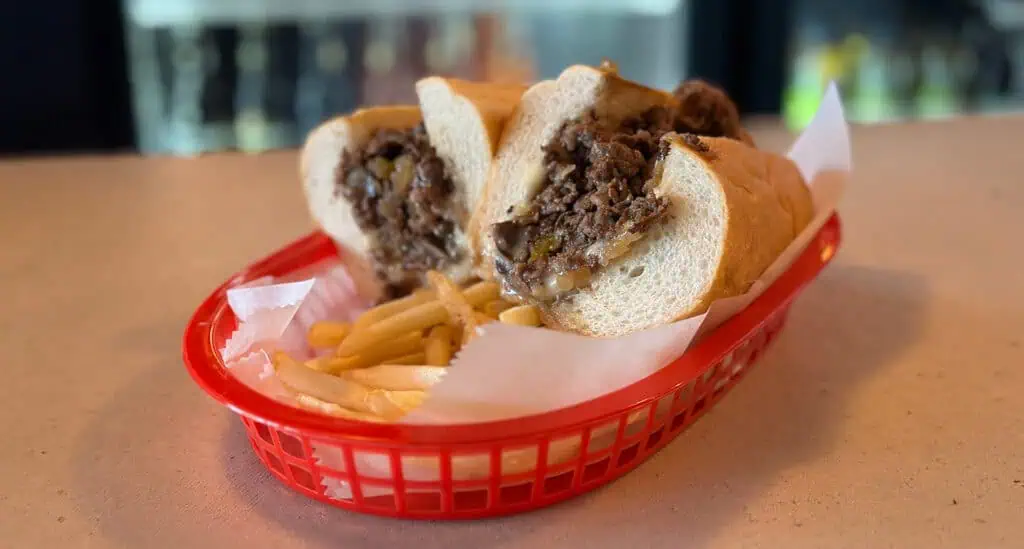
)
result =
(403, 200)
(598, 195)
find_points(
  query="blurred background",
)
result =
(194, 76)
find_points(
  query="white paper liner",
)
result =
(513, 371)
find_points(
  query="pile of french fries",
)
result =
(380, 366)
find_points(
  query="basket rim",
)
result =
(204, 363)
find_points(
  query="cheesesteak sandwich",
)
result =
(615, 207)
(398, 184)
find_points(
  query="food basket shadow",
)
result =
(494, 468)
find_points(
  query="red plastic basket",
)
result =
(464, 471)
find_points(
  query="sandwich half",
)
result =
(397, 185)
(615, 207)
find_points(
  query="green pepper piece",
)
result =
(543, 247)
(405, 169)
(380, 167)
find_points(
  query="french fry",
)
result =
(415, 319)
(326, 334)
(469, 331)
(392, 405)
(332, 409)
(319, 385)
(398, 378)
(419, 317)
(391, 308)
(385, 351)
(482, 292)
(522, 315)
(494, 308)
(438, 346)
(409, 359)
(403, 400)
(459, 308)
(320, 364)
(457, 337)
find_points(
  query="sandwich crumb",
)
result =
(607, 65)
(697, 145)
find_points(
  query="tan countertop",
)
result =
(889, 414)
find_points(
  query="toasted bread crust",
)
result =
(758, 228)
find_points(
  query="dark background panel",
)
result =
(65, 86)
(742, 45)
(250, 83)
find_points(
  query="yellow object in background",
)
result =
(813, 69)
